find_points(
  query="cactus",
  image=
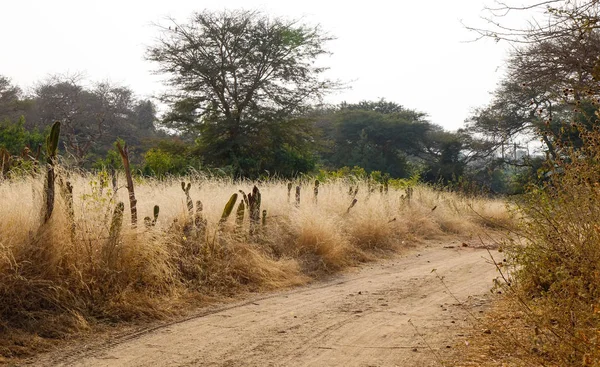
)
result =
(297, 196)
(67, 193)
(228, 208)
(354, 201)
(245, 198)
(409, 194)
(289, 187)
(116, 224)
(316, 190)
(199, 221)
(239, 216)
(113, 179)
(254, 200)
(264, 217)
(114, 233)
(151, 222)
(190, 203)
(124, 152)
(155, 214)
(51, 149)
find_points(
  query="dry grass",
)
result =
(59, 278)
(551, 313)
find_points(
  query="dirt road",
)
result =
(395, 313)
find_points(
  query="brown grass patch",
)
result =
(65, 277)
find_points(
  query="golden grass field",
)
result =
(71, 275)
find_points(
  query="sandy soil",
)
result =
(394, 313)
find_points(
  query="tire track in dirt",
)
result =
(360, 319)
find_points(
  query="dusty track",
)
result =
(366, 318)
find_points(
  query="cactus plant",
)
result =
(245, 198)
(51, 149)
(151, 222)
(116, 224)
(67, 193)
(264, 217)
(239, 220)
(297, 196)
(354, 201)
(316, 190)
(228, 208)
(190, 203)
(289, 187)
(114, 233)
(124, 152)
(254, 200)
(199, 221)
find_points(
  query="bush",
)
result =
(557, 267)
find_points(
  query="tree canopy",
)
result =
(551, 85)
(240, 80)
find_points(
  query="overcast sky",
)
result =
(411, 52)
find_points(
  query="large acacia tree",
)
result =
(239, 81)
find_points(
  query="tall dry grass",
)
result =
(551, 305)
(66, 275)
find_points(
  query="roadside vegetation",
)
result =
(548, 312)
(248, 182)
(87, 264)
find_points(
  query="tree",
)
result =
(92, 118)
(12, 104)
(238, 77)
(551, 84)
(562, 17)
(375, 135)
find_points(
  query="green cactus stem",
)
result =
(155, 213)
(228, 208)
(151, 222)
(316, 191)
(297, 196)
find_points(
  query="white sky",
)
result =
(410, 52)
